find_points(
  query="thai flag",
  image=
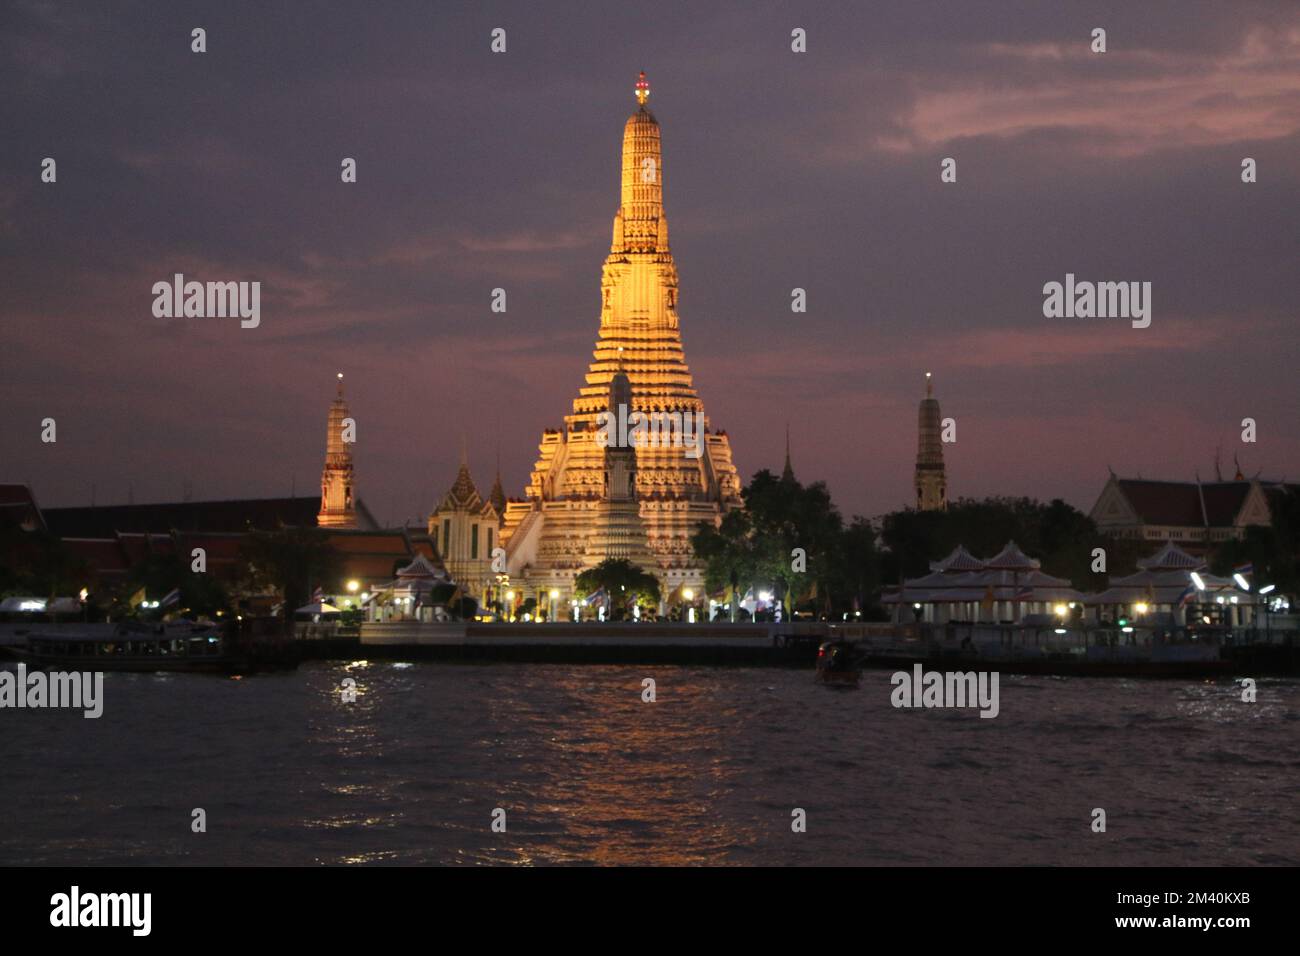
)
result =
(173, 597)
(317, 595)
(1024, 594)
(1189, 592)
(1244, 569)
(596, 597)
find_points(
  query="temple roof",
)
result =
(1011, 558)
(959, 560)
(463, 494)
(1170, 558)
(1185, 503)
(420, 567)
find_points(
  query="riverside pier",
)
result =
(1025, 649)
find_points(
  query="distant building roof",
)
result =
(105, 521)
(18, 504)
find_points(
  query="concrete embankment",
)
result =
(880, 645)
(593, 643)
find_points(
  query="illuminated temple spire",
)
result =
(578, 510)
(931, 478)
(337, 497)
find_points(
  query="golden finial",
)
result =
(642, 89)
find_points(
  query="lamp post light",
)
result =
(550, 612)
(1263, 594)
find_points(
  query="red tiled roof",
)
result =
(1178, 503)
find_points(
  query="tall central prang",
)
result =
(573, 515)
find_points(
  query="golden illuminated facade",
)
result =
(586, 502)
(338, 506)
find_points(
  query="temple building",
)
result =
(465, 529)
(931, 478)
(1195, 515)
(589, 499)
(338, 507)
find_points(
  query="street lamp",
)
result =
(354, 586)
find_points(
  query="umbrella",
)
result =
(319, 607)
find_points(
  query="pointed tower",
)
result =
(497, 496)
(337, 494)
(464, 529)
(931, 478)
(787, 473)
(554, 534)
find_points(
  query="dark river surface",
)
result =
(586, 772)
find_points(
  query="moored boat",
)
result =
(137, 647)
(837, 665)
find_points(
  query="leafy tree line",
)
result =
(790, 539)
(1273, 550)
(1057, 534)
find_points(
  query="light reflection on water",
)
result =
(709, 773)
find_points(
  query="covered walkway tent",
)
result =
(1174, 583)
(962, 587)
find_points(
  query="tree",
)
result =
(624, 583)
(38, 563)
(753, 548)
(161, 574)
(1274, 550)
(855, 568)
(1061, 536)
(728, 554)
(291, 562)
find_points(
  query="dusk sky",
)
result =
(477, 170)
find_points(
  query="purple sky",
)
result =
(477, 170)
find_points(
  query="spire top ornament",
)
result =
(642, 89)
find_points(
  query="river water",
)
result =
(585, 771)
